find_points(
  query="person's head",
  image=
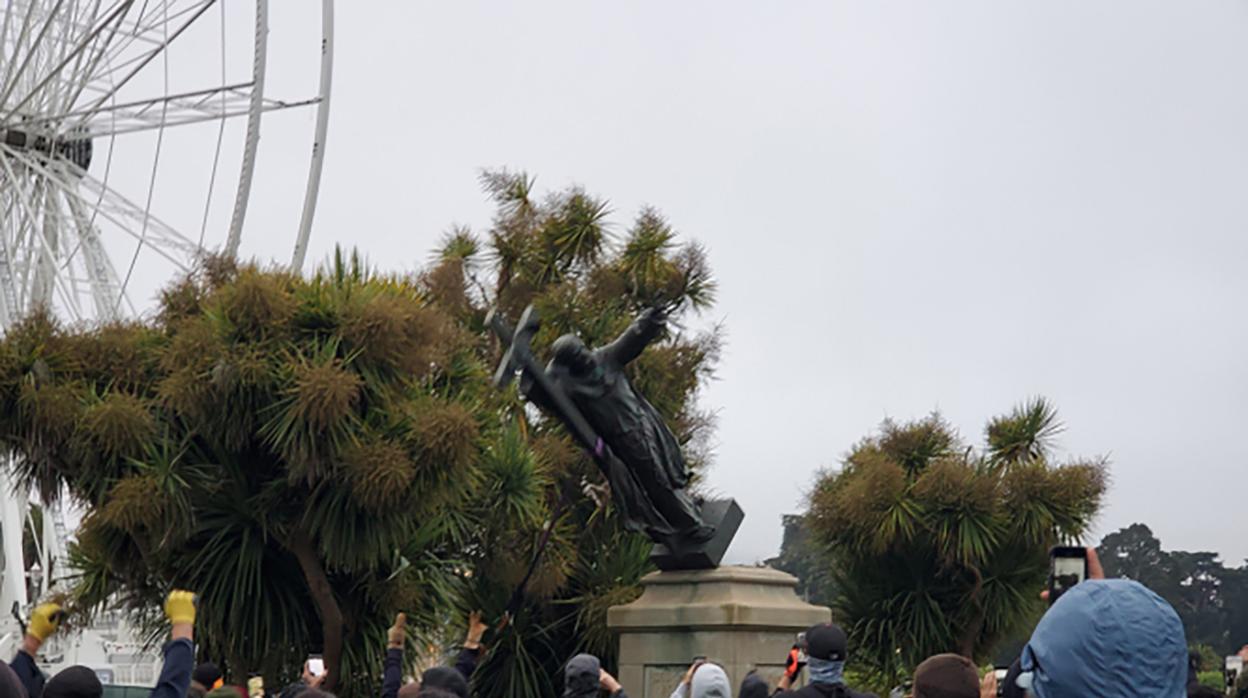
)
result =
(571, 352)
(754, 686)
(580, 676)
(207, 675)
(709, 681)
(10, 685)
(826, 649)
(1111, 638)
(946, 676)
(74, 682)
(445, 679)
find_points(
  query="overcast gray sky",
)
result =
(909, 207)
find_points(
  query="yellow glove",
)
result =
(396, 636)
(180, 607)
(45, 620)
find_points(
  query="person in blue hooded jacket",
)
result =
(1109, 638)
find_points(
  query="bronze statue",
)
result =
(588, 391)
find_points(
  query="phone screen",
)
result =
(316, 665)
(1001, 673)
(801, 649)
(1067, 572)
(1235, 663)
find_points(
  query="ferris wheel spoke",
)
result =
(101, 275)
(149, 29)
(99, 76)
(83, 25)
(36, 47)
(195, 12)
(114, 207)
(52, 74)
(38, 236)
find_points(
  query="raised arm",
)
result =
(175, 676)
(43, 622)
(392, 668)
(629, 345)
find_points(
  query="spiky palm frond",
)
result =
(459, 245)
(916, 444)
(316, 416)
(1026, 433)
(575, 231)
(515, 482)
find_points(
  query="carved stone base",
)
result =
(726, 516)
(742, 618)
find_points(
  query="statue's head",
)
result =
(571, 352)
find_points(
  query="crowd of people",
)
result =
(1104, 638)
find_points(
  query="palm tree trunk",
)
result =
(326, 604)
(975, 626)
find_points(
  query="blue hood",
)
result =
(1109, 638)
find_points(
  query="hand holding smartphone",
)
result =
(1068, 566)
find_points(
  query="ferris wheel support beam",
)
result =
(318, 143)
(259, 67)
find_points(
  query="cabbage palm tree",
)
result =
(306, 454)
(939, 548)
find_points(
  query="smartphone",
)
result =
(1234, 667)
(255, 687)
(316, 665)
(1068, 567)
(1001, 672)
(802, 659)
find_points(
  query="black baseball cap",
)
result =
(826, 641)
(206, 675)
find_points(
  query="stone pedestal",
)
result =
(742, 618)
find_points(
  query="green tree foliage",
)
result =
(295, 450)
(1211, 599)
(312, 455)
(559, 254)
(937, 547)
(802, 556)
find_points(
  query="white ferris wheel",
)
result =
(129, 134)
(129, 140)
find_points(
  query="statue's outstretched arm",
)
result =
(644, 330)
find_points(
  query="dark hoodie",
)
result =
(445, 678)
(580, 677)
(74, 682)
(10, 685)
(754, 687)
